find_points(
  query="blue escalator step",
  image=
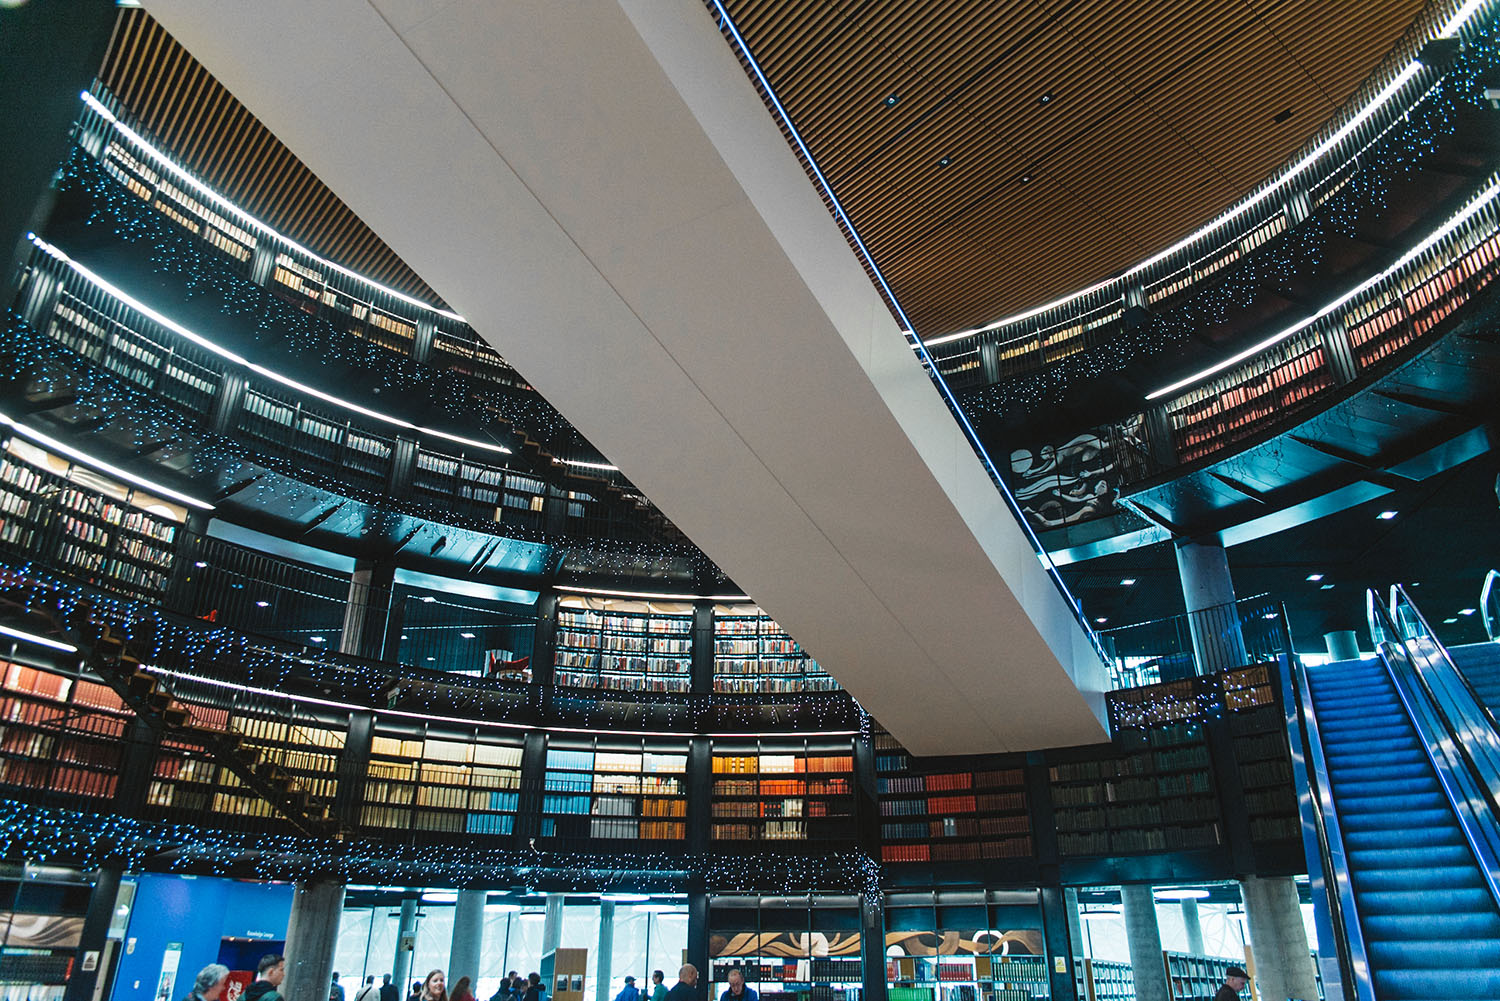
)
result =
(1417, 857)
(1428, 954)
(1420, 903)
(1426, 984)
(1378, 838)
(1452, 877)
(1468, 925)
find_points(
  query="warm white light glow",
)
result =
(652, 595)
(48, 442)
(1187, 894)
(587, 465)
(244, 362)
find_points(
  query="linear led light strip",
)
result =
(21, 634)
(46, 441)
(1485, 197)
(1453, 26)
(238, 359)
(350, 707)
(242, 215)
(654, 596)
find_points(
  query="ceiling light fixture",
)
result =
(893, 100)
(1183, 894)
(1326, 587)
(1127, 581)
(21, 634)
(1102, 619)
(1314, 577)
(1386, 515)
(1045, 98)
(945, 161)
(1466, 611)
(262, 603)
(467, 636)
(1449, 622)
(315, 639)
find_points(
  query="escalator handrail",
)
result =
(1399, 597)
(1491, 625)
(1302, 719)
(1482, 847)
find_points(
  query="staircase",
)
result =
(1480, 663)
(117, 666)
(1430, 926)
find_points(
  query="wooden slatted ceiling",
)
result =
(1161, 116)
(208, 131)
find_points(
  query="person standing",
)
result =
(209, 983)
(534, 988)
(369, 992)
(502, 993)
(737, 989)
(388, 990)
(269, 973)
(658, 986)
(628, 992)
(461, 991)
(416, 991)
(1234, 982)
(336, 989)
(686, 988)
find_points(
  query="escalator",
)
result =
(1401, 820)
(1480, 663)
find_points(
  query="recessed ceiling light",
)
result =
(1466, 611)
(200, 563)
(893, 100)
(1194, 894)
(262, 603)
(1102, 619)
(428, 599)
(403, 636)
(1127, 581)
(1326, 587)
(467, 636)
(1449, 622)
(1271, 615)
(945, 161)
(432, 658)
(1314, 577)
(1386, 515)
(315, 639)
(1045, 98)
(1026, 178)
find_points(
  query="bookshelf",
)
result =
(615, 789)
(752, 653)
(60, 734)
(774, 791)
(1192, 977)
(187, 211)
(423, 779)
(306, 747)
(93, 526)
(485, 491)
(965, 945)
(948, 815)
(1104, 980)
(1155, 792)
(1258, 731)
(622, 644)
(787, 948)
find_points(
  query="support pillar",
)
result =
(872, 946)
(697, 939)
(312, 933)
(552, 925)
(406, 943)
(1343, 644)
(1278, 939)
(1057, 933)
(1143, 936)
(603, 972)
(368, 609)
(1208, 591)
(91, 942)
(1193, 926)
(1075, 923)
(468, 937)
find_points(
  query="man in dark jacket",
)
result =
(388, 990)
(1234, 982)
(686, 988)
(268, 975)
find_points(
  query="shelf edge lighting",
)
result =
(21, 634)
(245, 217)
(47, 441)
(238, 359)
(1458, 219)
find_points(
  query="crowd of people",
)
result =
(269, 973)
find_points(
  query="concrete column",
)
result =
(312, 933)
(406, 941)
(1208, 591)
(604, 971)
(871, 947)
(1075, 923)
(95, 931)
(1283, 962)
(468, 937)
(1194, 927)
(552, 924)
(366, 613)
(1343, 644)
(1144, 939)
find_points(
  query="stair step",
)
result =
(1425, 984)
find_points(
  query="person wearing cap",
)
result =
(628, 992)
(1234, 982)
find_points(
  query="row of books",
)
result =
(781, 763)
(783, 787)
